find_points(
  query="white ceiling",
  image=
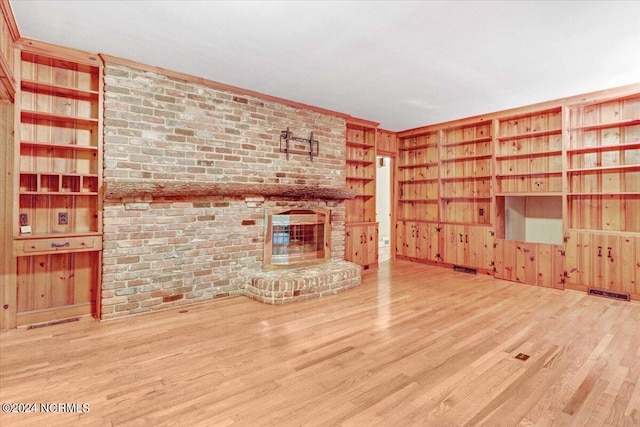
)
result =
(401, 63)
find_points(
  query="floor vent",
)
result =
(53, 322)
(609, 294)
(465, 269)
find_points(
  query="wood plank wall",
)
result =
(7, 264)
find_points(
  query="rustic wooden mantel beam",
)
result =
(128, 189)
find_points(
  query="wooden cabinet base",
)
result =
(60, 314)
(482, 271)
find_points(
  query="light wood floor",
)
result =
(413, 345)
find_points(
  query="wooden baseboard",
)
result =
(58, 313)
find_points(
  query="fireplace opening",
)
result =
(297, 235)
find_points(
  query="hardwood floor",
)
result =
(413, 345)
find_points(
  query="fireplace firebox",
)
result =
(297, 236)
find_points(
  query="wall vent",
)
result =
(465, 269)
(53, 322)
(609, 294)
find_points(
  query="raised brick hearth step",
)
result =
(282, 286)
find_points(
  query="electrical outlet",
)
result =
(24, 219)
(63, 218)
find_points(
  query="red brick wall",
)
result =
(162, 252)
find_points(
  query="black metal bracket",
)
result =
(286, 137)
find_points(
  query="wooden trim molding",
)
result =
(132, 189)
(56, 51)
(354, 121)
(9, 18)
(586, 98)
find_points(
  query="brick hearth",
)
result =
(282, 286)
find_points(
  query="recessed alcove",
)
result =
(532, 219)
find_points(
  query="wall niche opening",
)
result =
(532, 219)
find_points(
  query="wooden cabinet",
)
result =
(360, 212)
(537, 264)
(467, 246)
(603, 172)
(417, 241)
(58, 154)
(603, 196)
(361, 244)
(603, 261)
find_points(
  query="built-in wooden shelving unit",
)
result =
(58, 225)
(361, 243)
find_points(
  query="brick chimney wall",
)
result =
(162, 252)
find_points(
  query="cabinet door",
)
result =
(606, 266)
(630, 262)
(429, 238)
(451, 247)
(537, 264)
(370, 248)
(413, 239)
(505, 254)
(550, 266)
(401, 249)
(579, 258)
(361, 244)
(352, 243)
(480, 242)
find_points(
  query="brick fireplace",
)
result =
(190, 170)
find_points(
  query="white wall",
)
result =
(383, 198)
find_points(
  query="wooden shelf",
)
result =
(59, 91)
(360, 162)
(417, 181)
(59, 193)
(467, 158)
(463, 223)
(418, 165)
(464, 198)
(465, 178)
(360, 178)
(527, 155)
(600, 194)
(53, 235)
(419, 200)
(529, 194)
(57, 145)
(35, 115)
(603, 148)
(467, 141)
(531, 134)
(360, 144)
(599, 126)
(63, 64)
(531, 174)
(620, 168)
(419, 147)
